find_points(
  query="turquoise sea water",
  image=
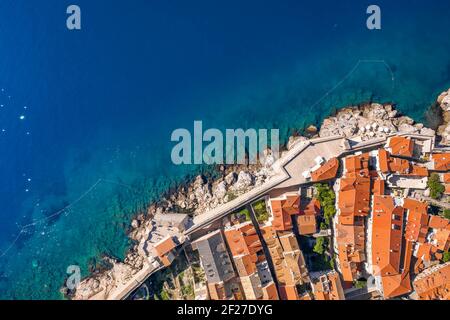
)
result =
(99, 104)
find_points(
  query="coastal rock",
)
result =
(407, 128)
(244, 181)
(311, 131)
(366, 121)
(427, 132)
(293, 140)
(230, 178)
(444, 100)
(199, 182)
(135, 224)
(220, 190)
(444, 130)
(269, 158)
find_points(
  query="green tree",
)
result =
(360, 284)
(320, 246)
(436, 187)
(327, 200)
(164, 295)
(261, 211)
(447, 213)
(446, 257)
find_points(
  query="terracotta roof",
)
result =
(399, 284)
(395, 165)
(396, 285)
(437, 222)
(418, 171)
(401, 146)
(282, 209)
(216, 291)
(243, 239)
(442, 239)
(351, 245)
(358, 164)
(417, 222)
(354, 198)
(245, 265)
(289, 293)
(378, 186)
(446, 177)
(383, 160)
(306, 224)
(447, 189)
(286, 256)
(353, 204)
(244, 245)
(399, 166)
(312, 208)
(328, 287)
(434, 283)
(386, 236)
(327, 171)
(163, 249)
(270, 292)
(441, 161)
(423, 255)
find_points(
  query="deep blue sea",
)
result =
(86, 116)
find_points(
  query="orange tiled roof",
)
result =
(165, 246)
(401, 146)
(441, 161)
(329, 287)
(289, 293)
(446, 177)
(270, 292)
(434, 283)
(243, 239)
(423, 256)
(418, 171)
(354, 198)
(378, 186)
(312, 208)
(399, 166)
(358, 164)
(306, 224)
(417, 222)
(327, 171)
(437, 222)
(399, 284)
(396, 285)
(286, 256)
(447, 189)
(282, 209)
(351, 245)
(245, 265)
(383, 160)
(442, 239)
(386, 236)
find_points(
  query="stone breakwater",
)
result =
(365, 121)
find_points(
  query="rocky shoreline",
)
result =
(365, 121)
